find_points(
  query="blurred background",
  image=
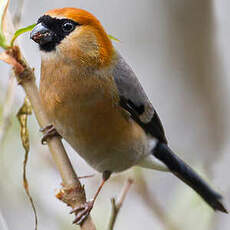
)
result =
(179, 50)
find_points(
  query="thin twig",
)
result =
(116, 206)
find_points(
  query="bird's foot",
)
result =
(82, 212)
(49, 131)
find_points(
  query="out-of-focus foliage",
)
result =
(3, 9)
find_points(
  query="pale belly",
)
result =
(105, 143)
(102, 135)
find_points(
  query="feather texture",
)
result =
(134, 100)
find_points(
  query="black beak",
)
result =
(41, 34)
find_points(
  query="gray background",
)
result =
(179, 49)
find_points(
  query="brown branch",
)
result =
(116, 206)
(72, 193)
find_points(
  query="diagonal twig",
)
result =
(116, 206)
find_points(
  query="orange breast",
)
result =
(86, 112)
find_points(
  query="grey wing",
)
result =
(134, 100)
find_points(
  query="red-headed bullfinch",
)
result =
(96, 103)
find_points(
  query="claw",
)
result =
(82, 212)
(49, 131)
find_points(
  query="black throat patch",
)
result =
(60, 29)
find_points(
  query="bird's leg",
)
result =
(83, 210)
(49, 131)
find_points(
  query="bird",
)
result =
(96, 103)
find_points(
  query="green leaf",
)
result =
(113, 38)
(3, 9)
(21, 31)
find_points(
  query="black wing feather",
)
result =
(134, 100)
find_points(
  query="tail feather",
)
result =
(184, 172)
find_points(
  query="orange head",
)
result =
(74, 35)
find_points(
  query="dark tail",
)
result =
(189, 176)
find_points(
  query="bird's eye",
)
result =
(67, 27)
